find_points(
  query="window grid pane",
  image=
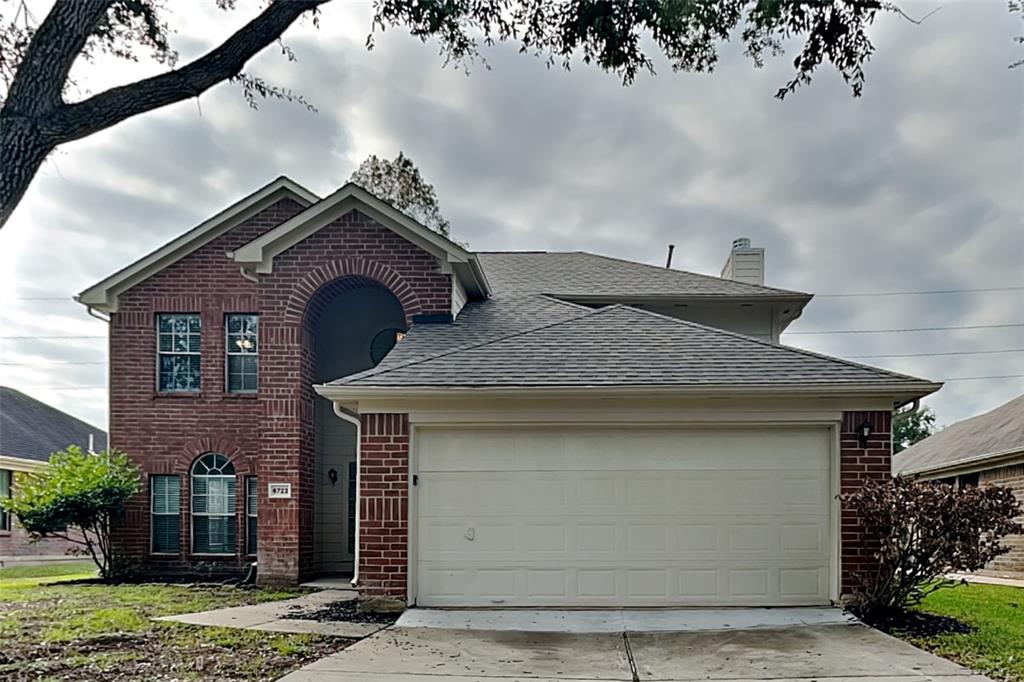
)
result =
(178, 347)
(213, 505)
(166, 514)
(242, 347)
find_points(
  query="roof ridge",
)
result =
(472, 346)
(690, 272)
(769, 344)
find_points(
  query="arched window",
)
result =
(213, 505)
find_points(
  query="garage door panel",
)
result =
(614, 518)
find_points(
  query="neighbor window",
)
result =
(178, 350)
(243, 353)
(251, 497)
(165, 514)
(5, 492)
(213, 505)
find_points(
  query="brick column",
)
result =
(384, 506)
(857, 466)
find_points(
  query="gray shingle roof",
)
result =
(31, 429)
(612, 346)
(997, 432)
(578, 273)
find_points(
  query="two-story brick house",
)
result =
(325, 386)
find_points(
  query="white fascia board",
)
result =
(894, 392)
(20, 464)
(968, 465)
(259, 254)
(102, 296)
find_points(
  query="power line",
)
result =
(932, 355)
(67, 336)
(996, 376)
(52, 362)
(920, 293)
(914, 329)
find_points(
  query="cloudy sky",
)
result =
(916, 186)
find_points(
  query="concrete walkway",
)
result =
(828, 653)
(270, 616)
(987, 579)
(618, 621)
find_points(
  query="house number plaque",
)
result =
(279, 491)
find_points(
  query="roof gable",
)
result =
(258, 255)
(103, 295)
(992, 434)
(623, 347)
(31, 429)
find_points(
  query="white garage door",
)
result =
(600, 517)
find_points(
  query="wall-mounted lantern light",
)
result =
(864, 432)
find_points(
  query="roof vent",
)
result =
(745, 263)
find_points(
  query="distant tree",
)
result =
(910, 427)
(36, 57)
(399, 183)
(77, 496)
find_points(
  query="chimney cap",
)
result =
(741, 243)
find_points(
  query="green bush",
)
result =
(77, 496)
(924, 531)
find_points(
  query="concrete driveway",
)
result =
(832, 652)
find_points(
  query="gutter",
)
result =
(353, 418)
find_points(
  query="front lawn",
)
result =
(61, 627)
(995, 646)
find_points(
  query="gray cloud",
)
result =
(915, 186)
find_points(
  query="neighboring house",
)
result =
(30, 431)
(988, 448)
(327, 386)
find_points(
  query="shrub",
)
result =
(925, 531)
(81, 492)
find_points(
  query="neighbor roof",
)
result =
(970, 442)
(31, 429)
(615, 346)
(577, 274)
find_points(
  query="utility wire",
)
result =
(52, 362)
(932, 355)
(913, 329)
(998, 376)
(67, 336)
(920, 293)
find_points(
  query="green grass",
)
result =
(76, 569)
(996, 646)
(89, 630)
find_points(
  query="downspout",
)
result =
(354, 420)
(102, 318)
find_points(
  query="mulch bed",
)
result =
(341, 611)
(915, 624)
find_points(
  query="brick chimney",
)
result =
(745, 263)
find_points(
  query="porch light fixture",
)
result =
(399, 336)
(864, 432)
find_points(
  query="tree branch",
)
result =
(39, 82)
(73, 121)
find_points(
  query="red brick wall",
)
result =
(384, 506)
(270, 433)
(1009, 565)
(857, 466)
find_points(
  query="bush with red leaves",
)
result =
(924, 531)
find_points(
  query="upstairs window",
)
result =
(5, 492)
(213, 505)
(243, 353)
(179, 354)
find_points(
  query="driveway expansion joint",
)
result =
(629, 657)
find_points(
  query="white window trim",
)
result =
(256, 494)
(193, 514)
(228, 353)
(160, 354)
(152, 513)
(6, 517)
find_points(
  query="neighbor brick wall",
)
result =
(857, 466)
(1009, 565)
(384, 506)
(269, 433)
